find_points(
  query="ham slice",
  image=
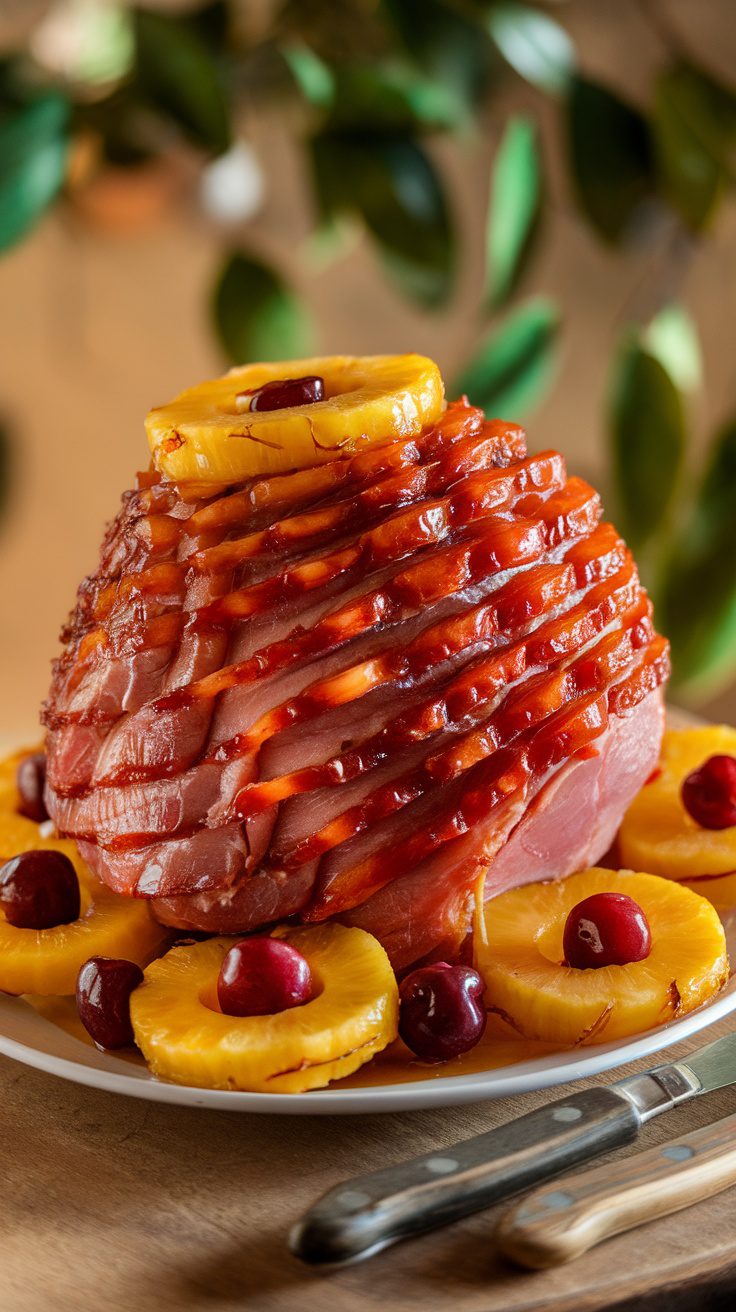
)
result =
(358, 691)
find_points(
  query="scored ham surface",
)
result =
(356, 691)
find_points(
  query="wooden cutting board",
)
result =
(110, 1203)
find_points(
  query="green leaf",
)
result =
(611, 159)
(716, 506)
(313, 77)
(694, 124)
(515, 364)
(516, 198)
(33, 150)
(648, 436)
(212, 21)
(181, 77)
(392, 185)
(672, 338)
(535, 46)
(697, 606)
(451, 45)
(257, 316)
(392, 97)
(432, 103)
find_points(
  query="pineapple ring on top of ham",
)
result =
(214, 434)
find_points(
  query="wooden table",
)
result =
(115, 1205)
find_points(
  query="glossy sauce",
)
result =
(500, 1046)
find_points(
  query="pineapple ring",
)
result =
(9, 797)
(46, 962)
(204, 437)
(658, 835)
(186, 1039)
(544, 999)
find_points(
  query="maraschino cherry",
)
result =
(30, 781)
(606, 929)
(39, 889)
(283, 393)
(104, 986)
(260, 976)
(709, 793)
(441, 1013)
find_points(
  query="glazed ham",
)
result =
(360, 691)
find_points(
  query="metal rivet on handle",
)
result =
(677, 1152)
(556, 1201)
(441, 1165)
(566, 1114)
(352, 1199)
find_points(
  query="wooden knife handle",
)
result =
(363, 1215)
(557, 1223)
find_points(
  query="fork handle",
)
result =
(555, 1224)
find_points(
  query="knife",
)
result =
(560, 1222)
(363, 1215)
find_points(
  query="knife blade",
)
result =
(363, 1215)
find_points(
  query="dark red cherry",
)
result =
(30, 780)
(709, 793)
(261, 976)
(285, 392)
(104, 986)
(39, 890)
(441, 1011)
(606, 929)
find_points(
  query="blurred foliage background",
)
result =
(116, 118)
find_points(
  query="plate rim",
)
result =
(449, 1091)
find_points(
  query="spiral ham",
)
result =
(355, 691)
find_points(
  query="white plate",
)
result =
(28, 1037)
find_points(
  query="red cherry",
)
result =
(709, 793)
(39, 890)
(261, 976)
(606, 929)
(285, 392)
(30, 780)
(104, 986)
(441, 1011)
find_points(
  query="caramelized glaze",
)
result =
(500, 1046)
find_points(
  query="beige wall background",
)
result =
(96, 327)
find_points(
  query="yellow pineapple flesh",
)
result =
(186, 1038)
(528, 983)
(658, 835)
(47, 961)
(9, 797)
(206, 435)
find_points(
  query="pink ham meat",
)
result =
(356, 691)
